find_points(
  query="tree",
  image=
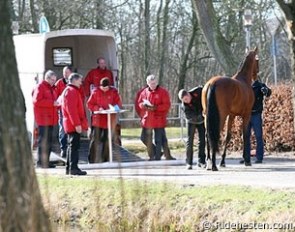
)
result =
(289, 11)
(164, 42)
(184, 66)
(21, 207)
(209, 23)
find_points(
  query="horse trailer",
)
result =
(78, 48)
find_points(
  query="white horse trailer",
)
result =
(79, 48)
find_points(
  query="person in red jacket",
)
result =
(74, 122)
(45, 112)
(154, 104)
(139, 111)
(94, 76)
(60, 86)
(100, 99)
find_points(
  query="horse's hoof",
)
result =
(208, 164)
(248, 164)
(214, 168)
(222, 165)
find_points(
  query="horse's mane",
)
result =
(244, 65)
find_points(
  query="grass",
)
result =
(134, 133)
(115, 205)
(176, 145)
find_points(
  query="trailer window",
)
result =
(62, 56)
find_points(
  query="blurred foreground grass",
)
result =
(91, 204)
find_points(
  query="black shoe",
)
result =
(242, 161)
(63, 154)
(201, 164)
(248, 163)
(189, 167)
(78, 172)
(170, 158)
(258, 162)
(50, 165)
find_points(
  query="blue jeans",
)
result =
(256, 124)
(62, 136)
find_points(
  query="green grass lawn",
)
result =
(134, 133)
(119, 205)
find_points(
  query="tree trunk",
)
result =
(164, 41)
(21, 207)
(147, 48)
(185, 58)
(34, 16)
(217, 44)
(289, 11)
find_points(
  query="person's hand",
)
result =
(144, 106)
(264, 90)
(152, 108)
(78, 129)
(56, 103)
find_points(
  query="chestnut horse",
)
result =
(224, 98)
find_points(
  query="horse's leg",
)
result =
(208, 157)
(246, 154)
(230, 120)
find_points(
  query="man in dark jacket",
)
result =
(192, 107)
(260, 91)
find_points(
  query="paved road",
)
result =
(274, 173)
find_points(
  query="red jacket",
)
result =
(100, 99)
(93, 78)
(60, 86)
(43, 100)
(161, 100)
(73, 109)
(139, 111)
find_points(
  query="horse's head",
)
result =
(256, 68)
(250, 66)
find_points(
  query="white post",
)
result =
(247, 38)
(110, 138)
(274, 55)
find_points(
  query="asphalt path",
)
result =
(277, 171)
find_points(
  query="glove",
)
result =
(264, 90)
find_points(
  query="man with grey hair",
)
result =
(154, 104)
(45, 111)
(74, 122)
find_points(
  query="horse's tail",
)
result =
(212, 119)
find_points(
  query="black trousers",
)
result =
(73, 151)
(155, 149)
(191, 130)
(98, 147)
(45, 134)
